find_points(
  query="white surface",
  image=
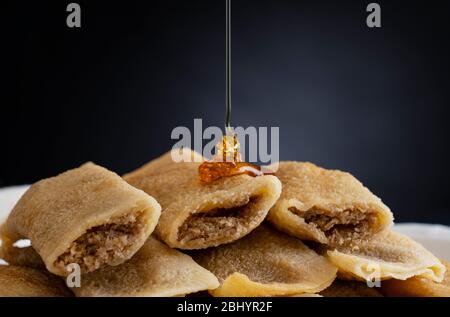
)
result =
(8, 198)
(435, 238)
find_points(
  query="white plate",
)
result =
(435, 238)
(8, 198)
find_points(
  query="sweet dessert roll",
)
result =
(198, 215)
(387, 255)
(266, 263)
(88, 216)
(155, 270)
(327, 206)
(18, 281)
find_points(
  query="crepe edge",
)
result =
(363, 268)
(240, 285)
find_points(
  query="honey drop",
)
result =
(227, 162)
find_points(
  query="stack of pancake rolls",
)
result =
(304, 231)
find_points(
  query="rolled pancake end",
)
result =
(88, 216)
(327, 206)
(222, 215)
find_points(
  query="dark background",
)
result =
(373, 102)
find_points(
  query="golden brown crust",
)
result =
(339, 207)
(341, 288)
(266, 263)
(155, 270)
(18, 281)
(55, 212)
(386, 255)
(418, 286)
(196, 215)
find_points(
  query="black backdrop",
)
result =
(373, 102)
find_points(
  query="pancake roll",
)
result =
(326, 206)
(88, 216)
(197, 215)
(266, 263)
(155, 270)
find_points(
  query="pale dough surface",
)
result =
(266, 263)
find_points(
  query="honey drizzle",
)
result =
(228, 66)
(212, 171)
(229, 148)
(227, 161)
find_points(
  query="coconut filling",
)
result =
(222, 223)
(104, 244)
(340, 226)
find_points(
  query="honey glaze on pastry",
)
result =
(211, 171)
(227, 162)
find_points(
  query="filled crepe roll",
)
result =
(18, 281)
(418, 286)
(326, 206)
(155, 270)
(341, 288)
(385, 256)
(88, 216)
(198, 215)
(266, 263)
